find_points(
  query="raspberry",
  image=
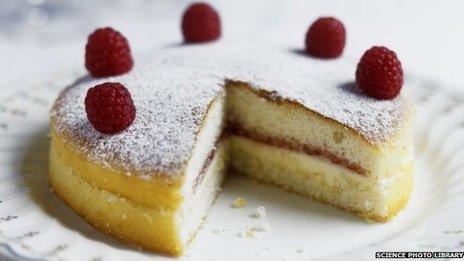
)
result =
(200, 23)
(379, 73)
(107, 53)
(325, 38)
(109, 107)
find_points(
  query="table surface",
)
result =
(428, 36)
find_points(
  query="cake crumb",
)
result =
(260, 212)
(301, 250)
(261, 227)
(239, 202)
(248, 234)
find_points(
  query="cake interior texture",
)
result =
(245, 131)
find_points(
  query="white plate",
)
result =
(35, 224)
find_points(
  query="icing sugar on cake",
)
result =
(172, 88)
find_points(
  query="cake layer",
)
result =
(152, 227)
(108, 178)
(281, 142)
(170, 189)
(377, 199)
(259, 115)
(172, 90)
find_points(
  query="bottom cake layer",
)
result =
(153, 226)
(369, 197)
(148, 227)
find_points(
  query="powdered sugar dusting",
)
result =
(172, 91)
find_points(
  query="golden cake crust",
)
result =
(119, 181)
(147, 227)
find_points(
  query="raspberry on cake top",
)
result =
(173, 88)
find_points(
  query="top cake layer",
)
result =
(172, 89)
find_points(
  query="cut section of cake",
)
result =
(273, 115)
(160, 211)
(284, 143)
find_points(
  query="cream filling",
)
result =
(287, 121)
(316, 176)
(197, 201)
(312, 175)
(197, 205)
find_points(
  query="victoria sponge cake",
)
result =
(203, 111)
